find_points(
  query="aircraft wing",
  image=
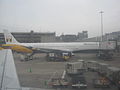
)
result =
(8, 75)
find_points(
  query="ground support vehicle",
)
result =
(59, 83)
(101, 82)
(57, 56)
(78, 81)
(113, 74)
(104, 54)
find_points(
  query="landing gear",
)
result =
(27, 57)
(104, 55)
(58, 56)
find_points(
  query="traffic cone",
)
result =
(30, 70)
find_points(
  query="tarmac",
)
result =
(38, 72)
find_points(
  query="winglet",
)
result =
(9, 38)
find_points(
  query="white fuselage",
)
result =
(72, 46)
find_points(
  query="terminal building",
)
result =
(73, 38)
(82, 35)
(32, 37)
(114, 36)
(68, 38)
(44, 37)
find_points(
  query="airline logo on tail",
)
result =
(9, 39)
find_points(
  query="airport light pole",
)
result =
(101, 12)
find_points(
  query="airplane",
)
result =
(69, 47)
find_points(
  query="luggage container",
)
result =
(92, 65)
(76, 68)
(102, 68)
(112, 71)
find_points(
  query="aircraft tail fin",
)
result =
(9, 38)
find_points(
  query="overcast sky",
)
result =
(60, 16)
